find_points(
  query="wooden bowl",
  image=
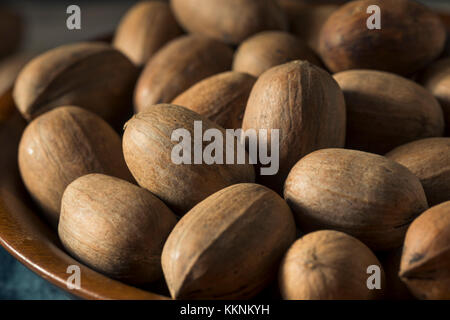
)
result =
(28, 238)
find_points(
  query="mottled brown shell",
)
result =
(144, 29)
(62, 145)
(231, 21)
(229, 245)
(10, 68)
(115, 227)
(328, 265)
(91, 75)
(305, 104)
(147, 147)
(396, 289)
(269, 49)
(425, 265)
(365, 195)
(222, 98)
(411, 36)
(178, 66)
(385, 111)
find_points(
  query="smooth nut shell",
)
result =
(222, 98)
(429, 160)
(229, 245)
(62, 145)
(147, 147)
(396, 289)
(385, 111)
(411, 36)
(328, 265)
(436, 78)
(305, 104)
(365, 195)
(446, 52)
(144, 29)
(11, 31)
(269, 49)
(178, 66)
(115, 227)
(425, 265)
(231, 21)
(91, 75)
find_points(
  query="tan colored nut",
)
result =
(91, 75)
(385, 110)
(231, 21)
(329, 265)
(115, 227)
(144, 29)
(269, 49)
(179, 65)
(305, 104)
(228, 246)
(399, 46)
(148, 148)
(62, 145)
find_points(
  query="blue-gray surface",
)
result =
(19, 283)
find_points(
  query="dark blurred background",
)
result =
(46, 19)
(45, 28)
(45, 22)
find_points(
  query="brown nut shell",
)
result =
(62, 145)
(305, 104)
(229, 245)
(148, 149)
(269, 49)
(115, 227)
(178, 66)
(306, 20)
(429, 160)
(411, 36)
(11, 31)
(222, 98)
(425, 265)
(91, 75)
(385, 110)
(231, 21)
(144, 29)
(328, 265)
(364, 195)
